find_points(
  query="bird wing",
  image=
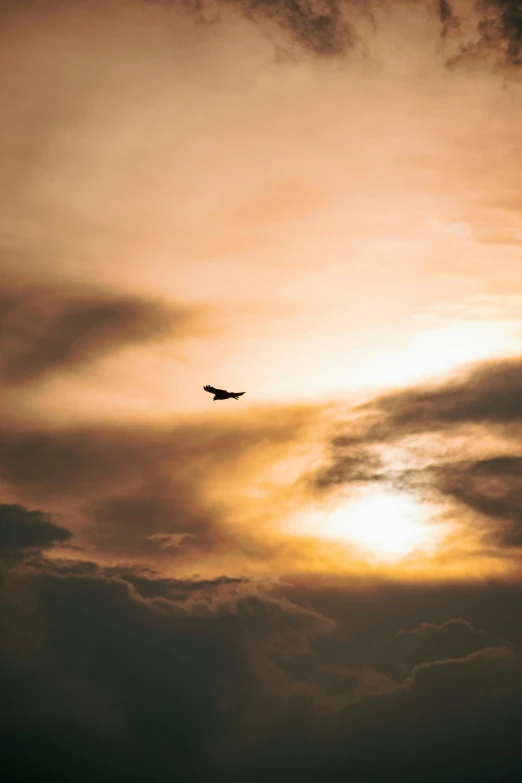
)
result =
(212, 390)
(238, 394)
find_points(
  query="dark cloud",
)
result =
(129, 483)
(453, 716)
(23, 530)
(447, 17)
(484, 396)
(348, 465)
(493, 488)
(331, 27)
(123, 672)
(117, 686)
(68, 462)
(324, 27)
(506, 25)
(48, 329)
(497, 38)
(136, 686)
(141, 491)
(150, 584)
(319, 25)
(488, 394)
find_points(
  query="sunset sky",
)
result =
(318, 203)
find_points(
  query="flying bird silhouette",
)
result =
(221, 394)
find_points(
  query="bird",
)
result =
(221, 394)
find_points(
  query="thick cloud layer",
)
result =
(130, 674)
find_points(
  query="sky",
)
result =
(316, 202)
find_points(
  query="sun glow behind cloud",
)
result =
(380, 526)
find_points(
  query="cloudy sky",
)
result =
(317, 202)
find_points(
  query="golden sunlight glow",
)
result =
(380, 525)
(433, 352)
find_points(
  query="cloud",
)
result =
(319, 25)
(447, 17)
(453, 714)
(450, 713)
(486, 32)
(452, 444)
(349, 464)
(144, 524)
(491, 487)
(47, 329)
(487, 394)
(140, 688)
(503, 21)
(482, 403)
(456, 638)
(328, 27)
(125, 672)
(333, 27)
(23, 530)
(135, 488)
(135, 685)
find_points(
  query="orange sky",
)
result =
(320, 231)
(317, 203)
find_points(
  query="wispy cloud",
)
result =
(47, 329)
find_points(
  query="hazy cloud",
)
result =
(487, 395)
(48, 329)
(134, 486)
(349, 465)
